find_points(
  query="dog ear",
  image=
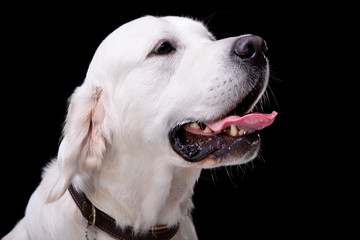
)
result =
(83, 144)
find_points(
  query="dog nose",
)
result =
(251, 48)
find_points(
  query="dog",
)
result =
(162, 100)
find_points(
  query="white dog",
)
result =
(162, 99)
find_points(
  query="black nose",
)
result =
(251, 48)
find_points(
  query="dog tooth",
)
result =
(233, 130)
(195, 125)
(207, 130)
(242, 132)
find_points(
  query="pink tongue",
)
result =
(249, 122)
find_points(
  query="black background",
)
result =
(293, 189)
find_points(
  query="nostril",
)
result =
(249, 46)
(244, 50)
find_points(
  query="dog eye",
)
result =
(164, 48)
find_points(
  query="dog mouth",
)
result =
(233, 135)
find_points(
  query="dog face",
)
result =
(182, 79)
(165, 89)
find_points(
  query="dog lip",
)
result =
(240, 146)
(195, 148)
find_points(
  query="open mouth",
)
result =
(233, 135)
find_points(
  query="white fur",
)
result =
(115, 146)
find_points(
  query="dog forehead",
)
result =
(188, 25)
(131, 43)
(154, 28)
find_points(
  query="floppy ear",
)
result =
(83, 144)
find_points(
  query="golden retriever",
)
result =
(162, 99)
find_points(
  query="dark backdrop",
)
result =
(288, 191)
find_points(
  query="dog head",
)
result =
(165, 88)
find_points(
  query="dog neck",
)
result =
(150, 194)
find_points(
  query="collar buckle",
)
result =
(90, 228)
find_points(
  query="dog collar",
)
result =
(101, 220)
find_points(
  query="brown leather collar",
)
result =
(108, 224)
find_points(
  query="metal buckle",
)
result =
(91, 224)
(92, 217)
